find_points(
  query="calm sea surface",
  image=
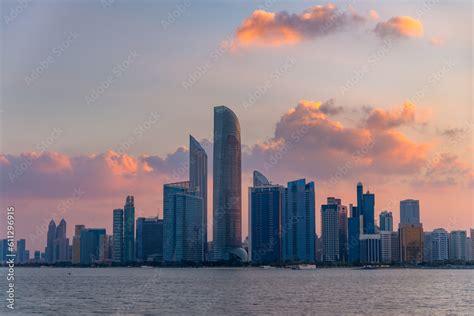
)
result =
(223, 291)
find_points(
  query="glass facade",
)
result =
(90, 244)
(129, 230)
(117, 255)
(149, 239)
(227, 204)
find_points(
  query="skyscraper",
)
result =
(227, 204)
(76, 244)
(118, 254)
(90, 244)
(360, 197)
(386, 221)
(427, 247)
(265, 207)
(368, 201)
(149, 239)
(182, 223)
(354, 228)
(439, 245)
(298, 221)
(330, 229)
(51, 237)
(370, 248)
(386, 246)
(198, 181)
(457, 245)
(409, 212)
(20, 250)
(61, 243)
(342, 227)
(129, 230)
(411, 243)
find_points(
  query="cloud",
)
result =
(308, 142)
(445, 169)
(270, 29)
(399, 27)
(437, 41)
(374, 15)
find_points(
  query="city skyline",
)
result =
(308, 108)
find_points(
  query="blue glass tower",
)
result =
(298, 221)
(90, 244)
(129, 230)
(265, 201)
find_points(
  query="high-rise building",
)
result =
(227, 195)
(37, 257)
(90, 244)
(409, 212)
(298, 221)
(427, 247)
(386, 221)
(265, 208)
(20, 250)
(61, 243)
(457, 245)
(104, 248)
(182, 223)
(118, 254)
(129, 230)
(472, 244)
(76, 244)
(198, 181)
(149, 239)
(386, 246)
(468, 249)
(439, 245)
(355, 229)
(330, 229)
(411, 243)
(342, 227)
(360, 197)
(370, 248)
(368, 200)
(51, 237)
(395, 246)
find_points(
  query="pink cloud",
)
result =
(399, 26)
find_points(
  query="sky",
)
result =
(98, 100)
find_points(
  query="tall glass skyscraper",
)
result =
(386, 221)
(129, 230)
(409, 212)
(49, 251)
(227, 195)
(265, 207)
(90, 244)
(368, 201)
(117, 254)
(198, 181)
(329, 230)
(149, 239)
(298, 221)
(182, 223)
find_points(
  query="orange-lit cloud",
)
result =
(374, 15)
(437, 41)
(272, 29)
(399, 26)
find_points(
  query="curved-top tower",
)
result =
(227, 204)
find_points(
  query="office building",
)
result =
(76, 244)
(182, 224)
(457, 245)
(298, 221)
(395, 247)
(411, 243)
(149, 239)
(129, 230)
(368, 200)
(90, 244)
(198, 182)
(439, 245)
(427, 247)
(386, 221)
(409, 212)
(61, 243)
(118, 253)
(265, 208)
(369, 248)
(20, 251)
(355, 229)
(386, 246)
(104, 248)
(227, 204)
(51, 237)
(330, 229)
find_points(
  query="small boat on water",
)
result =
(303, 267)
